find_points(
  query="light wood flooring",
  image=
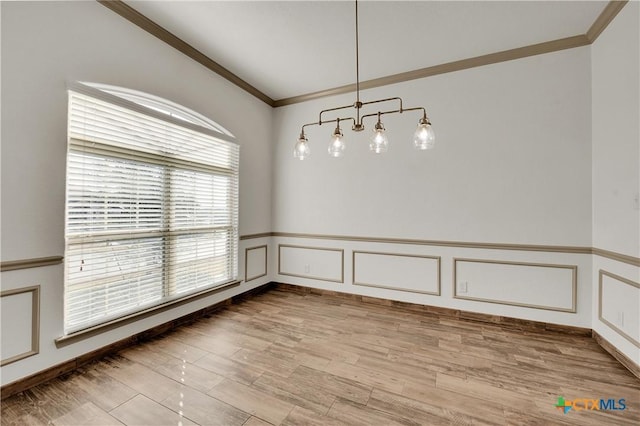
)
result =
(301, 359)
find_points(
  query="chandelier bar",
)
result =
(424, 137)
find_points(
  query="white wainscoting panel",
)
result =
(619, 305)
(19, 323)
(419, 274)
(319, 263)
(533, 285)
(255, 262)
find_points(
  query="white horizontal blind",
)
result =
(152, 211)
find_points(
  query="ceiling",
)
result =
(291, 48)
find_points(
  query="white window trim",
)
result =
(116, 100)
(213, 130)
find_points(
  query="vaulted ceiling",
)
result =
(285, 49)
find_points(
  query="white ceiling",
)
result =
(290, 48)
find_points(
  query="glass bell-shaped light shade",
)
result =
(424, 138)
(302, 150)
(379, 142)
(336, 146)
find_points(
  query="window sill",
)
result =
(128, 319)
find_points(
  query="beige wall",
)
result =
(537, 151)
(512, 164)
(45, 46)
(616, 180)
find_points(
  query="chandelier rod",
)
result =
(357, 62)
(423, 137)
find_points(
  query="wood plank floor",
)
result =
(303, 359)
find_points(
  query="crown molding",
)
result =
(602, 21)
(137, 18)
(478, 61)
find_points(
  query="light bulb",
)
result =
(302, 150)
(336, 146)
(379, 142)
(424, 137)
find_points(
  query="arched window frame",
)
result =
(186, 239)
(161, 105)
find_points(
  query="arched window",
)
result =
(151, 204)
(162, 105)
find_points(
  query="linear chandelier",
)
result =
(423, 139)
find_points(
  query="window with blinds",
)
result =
(151, 207)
